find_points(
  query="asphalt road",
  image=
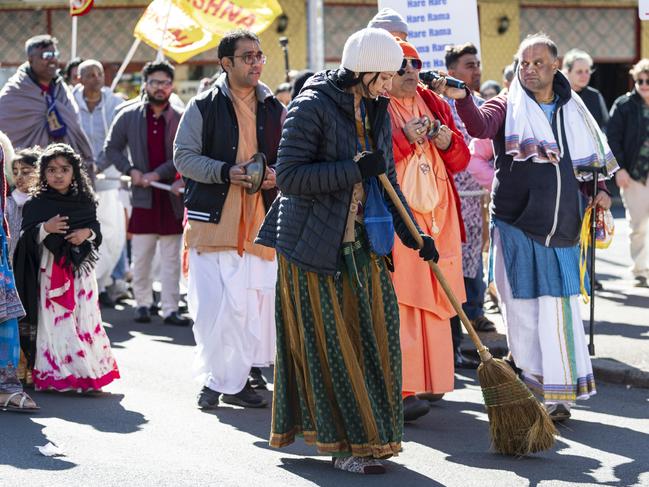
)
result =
(146, 431)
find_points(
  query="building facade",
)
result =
(609, 30)
(106, 34)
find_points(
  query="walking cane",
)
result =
(283, 41)
(519, 425)
(595, 171)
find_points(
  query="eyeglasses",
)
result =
(414, 63)
(47, 55)
(159, 83)
(252, 58)
(642, 81)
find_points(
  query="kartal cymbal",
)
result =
(256, 170)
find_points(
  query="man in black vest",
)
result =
(231, 280)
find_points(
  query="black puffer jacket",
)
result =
(316, 174)
(625, 132)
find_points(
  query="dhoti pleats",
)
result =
(338, 367)
(546, 338)
(232, 302)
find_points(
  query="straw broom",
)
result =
(519, 424)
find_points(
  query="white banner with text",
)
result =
(434, 24)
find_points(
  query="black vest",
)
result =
(220, 142)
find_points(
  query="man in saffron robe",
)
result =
(425, 163)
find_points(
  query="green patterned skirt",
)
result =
(338, 365)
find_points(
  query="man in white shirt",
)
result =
(97, 107)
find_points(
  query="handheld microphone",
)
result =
(429, 76)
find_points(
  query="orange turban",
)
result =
(408, 49)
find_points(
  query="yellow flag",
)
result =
(194, 26)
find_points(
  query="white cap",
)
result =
(372, 51)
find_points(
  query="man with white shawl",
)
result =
(37, 107)
(541, 132)
(97, 108)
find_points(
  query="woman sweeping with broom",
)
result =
(338, 367)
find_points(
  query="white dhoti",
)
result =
(110, 214)
(232, 302)
(546, 338)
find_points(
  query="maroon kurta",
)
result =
(160, 218)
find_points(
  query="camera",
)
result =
(427, 77)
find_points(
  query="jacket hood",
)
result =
(325, 82)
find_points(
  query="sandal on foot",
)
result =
(19, 407)
(362, 465)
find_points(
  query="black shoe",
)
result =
(598, 286)
(641, 281)
(246, 398)
(414, 408)
(105, 300)
(558, 412)
(142, 315)
(208, 399)
(257, 380)
(509, 360)
(482, 323)
(429, 396)
(464, 362)
(176, 319)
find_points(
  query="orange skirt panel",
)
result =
(426, 351)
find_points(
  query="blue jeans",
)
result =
(121, 267)
(475, 289)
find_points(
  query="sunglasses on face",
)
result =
(47, 55)
(642, 81)
(414, 63)
(252, 58)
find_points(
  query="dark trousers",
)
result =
(474, 307)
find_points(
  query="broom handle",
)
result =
(482, 350)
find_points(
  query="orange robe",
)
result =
(424, 309)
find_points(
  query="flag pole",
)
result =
(73, 52)
(161, 55)
(127, 60)
(315, 30)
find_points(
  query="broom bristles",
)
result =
(519, 424)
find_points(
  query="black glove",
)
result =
(371, 164)
(429, 251)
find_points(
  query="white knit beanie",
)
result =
(371, 51)
(389, 20)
